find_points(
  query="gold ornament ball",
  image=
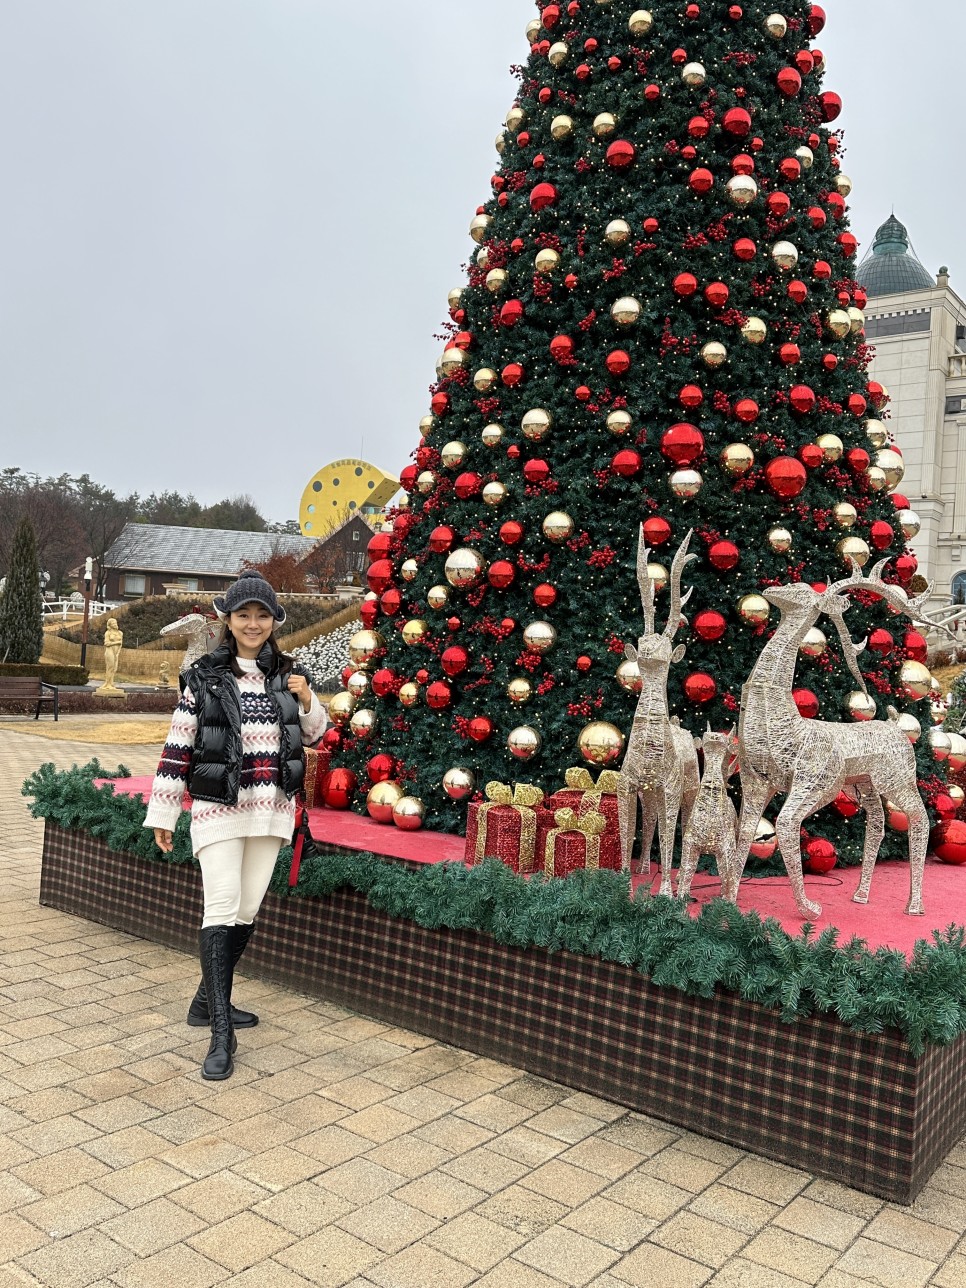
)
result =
(815, 643)
(766, 841)
(714, 354)
(409, 693)
(877, 432)
(956, 793)
(438, 598)
(629, 677)
(458, 783)
(485, 379)
(910, 523)
(619, 422)
(453, 454)
(832, 447)
(515, 119)
(478, 227)
(916, 679)
(617, 232)
(694, 75)
(806, 156)
(341, 707)
(640, 22)
(454, 300)
(626, 311)
(402, 502)
(539, 637)
(658, 575)
(854, 548)
(860, 706)
(524, 742)
(500, 142)
(776, 25)
(534, 27)
(519, 690)
(742, 190)
(839, 323)
(686, 483)
(363, 723)
(409, 570)
(415, 631)
(408, 813)
(381, 799)
(496, 280)
(464, 568)
(755, 331)
(601, 743)
(754, 609)
(876, 478)
(558, 527)
(358, 683)
(857, 320)
(363, 645)
(892, 466)
(483, 257)
(785, 254)
(910, 726)
(957, 752)
(546, 261)
(780, 540)
(561, 127)
(940, 743)
(494, 493)
(843, 185)
(492, 435)
(536, 424)
(737, 459)
(605, 123)
(845, 514)
(452, 360)
(425, 482)
(558, 53)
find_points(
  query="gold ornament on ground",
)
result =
(408, 813)
(381, 799)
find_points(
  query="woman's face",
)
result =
(251, 625)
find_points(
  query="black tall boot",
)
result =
(198, 1010)
(215, 946)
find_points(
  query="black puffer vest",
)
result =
(217, 755)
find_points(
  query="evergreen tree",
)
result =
(660, 325)
(21, 608)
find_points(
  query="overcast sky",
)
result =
(228, 227)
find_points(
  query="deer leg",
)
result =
(871, 802)
(755, 797)
(802, 802)
(667, 822)
(910, 802)
(648, 828)
(690, 853)
(627, 818)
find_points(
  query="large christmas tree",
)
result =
(660, 326)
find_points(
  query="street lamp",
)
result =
(88, 575)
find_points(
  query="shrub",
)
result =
(52, 672)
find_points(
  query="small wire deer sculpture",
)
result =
(660, 767)
(713, 825)
(811, 761)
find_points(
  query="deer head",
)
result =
(653, 649)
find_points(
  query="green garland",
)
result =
(592, 914)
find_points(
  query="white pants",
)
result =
(235, 875)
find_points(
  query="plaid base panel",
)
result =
(856, 1108)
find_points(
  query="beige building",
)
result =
(917, 325)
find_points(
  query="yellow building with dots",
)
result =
(342, 489)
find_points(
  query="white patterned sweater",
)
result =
(263, 809)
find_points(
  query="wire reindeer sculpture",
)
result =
(811, 761)
(660, 767)
(713, 825)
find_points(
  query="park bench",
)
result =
(30, 688)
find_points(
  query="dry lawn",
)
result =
(127, 733)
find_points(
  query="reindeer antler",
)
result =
(646, 585)
(893, 595)
(681, 561)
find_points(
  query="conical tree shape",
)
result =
(660, 326)
(21, 608)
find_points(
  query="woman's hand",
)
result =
(164, 840)
(298, 685)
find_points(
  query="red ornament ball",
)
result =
(480, 728)
(724, 555)
(701, 180)
(881, 642)
(699, 127)
(915, 646)
(651, 226)
(390, 601)
(381, 768)
(652, 93)
(542, 196)
(627, 463)
(779, 204)
(785, 476)
(817, 216)
(439, 695)
(791, 169)
(332, 739)
(737, 122)
(562, 348)
(454, 660)
(618, 362)
(407, 477)
(544, 595)
(501, 574)
(682, 444)
(717, 294)
(440, 406)
(790, 82)
(691, 397)
(745, 249)
(807, 703)
(369, 611)
(685, 284)
(338, 788)
(621, 154)
(536, 471)
(811, 455)
(802, 398)
(467, 485)
(379, 545)
(657, 531)
(379, 575)
(948, 841)
(882, 535)
(816, 19)
(584, 663)
(846, 805)
(797, 292)
(945, 807)
(511, 533)
(512, 374)
(582, 393)
(700, 687)
(820, 856)
(747, 411)
(441, 539)
(511, 312)
(383, 681)
(710, 625)
(831, 105)
(790, 354)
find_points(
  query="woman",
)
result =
(236, 744)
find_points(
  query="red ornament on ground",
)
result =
(820, 856)
(338, 788)
(948, 842)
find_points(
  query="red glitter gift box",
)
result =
(584, 796)
(508, 825)
(575, 842)
(316, 764)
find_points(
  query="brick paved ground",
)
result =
(346, 1152)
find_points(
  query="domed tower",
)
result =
(891, 267)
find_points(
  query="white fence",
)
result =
(64, 608)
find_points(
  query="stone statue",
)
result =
(164, 675)
(113, 640)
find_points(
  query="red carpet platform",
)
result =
(882, 923)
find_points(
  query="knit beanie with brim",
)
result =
(250, 588)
